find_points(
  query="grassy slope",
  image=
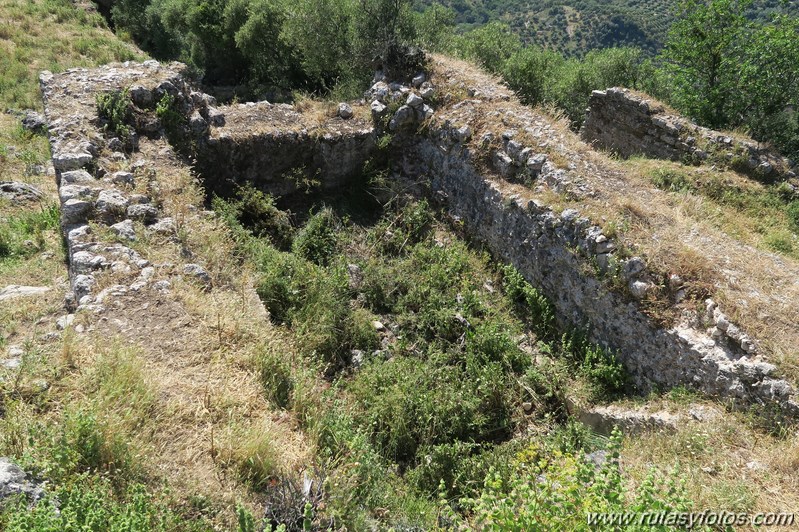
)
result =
(125, 438)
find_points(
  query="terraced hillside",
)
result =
(574, 27)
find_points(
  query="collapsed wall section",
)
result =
(621, 121)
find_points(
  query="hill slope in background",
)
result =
(574, 27)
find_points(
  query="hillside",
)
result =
(430, 307)
(574, 27)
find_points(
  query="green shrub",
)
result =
(400, 230)
(91, 503)
(560, 491)
(275, 373)
(88, 443)
(281, 283)
(256, 212)
(115, 107)
(780, 241)
(425, 403)
(459, 469)
(318, 239)
(793, 213)
(671, 180)
(174, 122)
(602, 369)
(531, 305)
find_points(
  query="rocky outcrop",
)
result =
(629, 124)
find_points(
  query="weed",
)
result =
(275, 376)
(531, 305)
(671, 180)
(174, 122)
(116, 109)
(317, 241)
(91, 503)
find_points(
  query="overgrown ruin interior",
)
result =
(522, 184)
(243, 315)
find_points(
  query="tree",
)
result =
(701, 57)
(490, 45)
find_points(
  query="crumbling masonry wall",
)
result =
(621, 121)
(264, 144)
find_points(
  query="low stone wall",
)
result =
(626, 123)
(94, 196)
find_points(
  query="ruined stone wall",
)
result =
(562, 254)
(556, 253)
(625, 123)
(282, 161)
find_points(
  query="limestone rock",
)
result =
(144, 213)
(14, 481)
(198, 272)
(16, 191)
(124, 229)
(77, 177)
(111, 204)
(344, 111)
(64, 321)
(33, 121)
(414, 100)
(123, 178)
(16, 291)
(403, 117)
(164, 226)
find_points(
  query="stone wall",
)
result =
(626, 123)
(273, 148)
(554, 253)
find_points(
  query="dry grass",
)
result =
(725, 464)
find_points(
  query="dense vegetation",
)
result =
(575, 27)
(437, 358)
(720, 66)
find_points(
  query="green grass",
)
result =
(767, 215)
(50, 35)
(25, 234)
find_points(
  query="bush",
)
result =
(91, 503)
(115, 108)
(605, 374)
(257, 213)
(318, 239)
(560, 491)
(426, 403)
(281, 282)
(671, 180)
(531, 306)
(400, 230)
